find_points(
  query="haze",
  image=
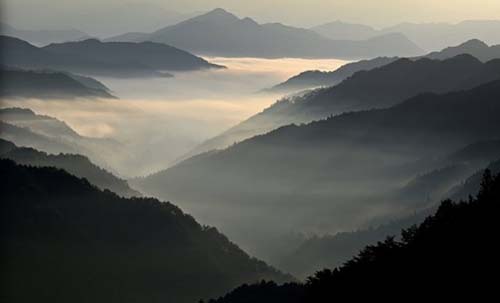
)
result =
(115, 16)
(185, 110)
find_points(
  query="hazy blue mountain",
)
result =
(92, 57)
(339, 30)
(429, 36)
(334, 164)
(436, 36)
(49, 84)
(43, 37)
(312, 79)
(376, 88)
(76, 165)
(92, 245)
(221, 33)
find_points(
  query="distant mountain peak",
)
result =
(91, 41)
(217, 14)
(474, 43)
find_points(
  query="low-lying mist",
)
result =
(160, 119)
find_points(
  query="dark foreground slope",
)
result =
(64, 240)
(452, 254)
(76, 165)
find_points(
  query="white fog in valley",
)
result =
(158, 120)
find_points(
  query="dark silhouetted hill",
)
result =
(76, 165)
(92, 57)
(155, 56)
(65, 240)
(20, 83)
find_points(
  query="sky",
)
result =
(125, 15)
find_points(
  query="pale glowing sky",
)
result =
(75, 13)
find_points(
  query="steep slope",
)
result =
(90, 245)
(221, 33)
(76, 165)
(335, 165)
(452, 253)
(20, 83)
(376, 88)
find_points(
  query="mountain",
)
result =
(43, 37)
(324, 174)
(435, 36)
(76, 165)
(474, 47)
(376, 88)
(451, 252)
(92, 57)
(88, 245)
(25, 137)
(473, 183)
(332, 251)
(20, 83)
(152, 55)
(339, 30)
(312, 79)
(316, 78)
(456, 176)
(25, 128)
(429, 36)
(220, 33)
